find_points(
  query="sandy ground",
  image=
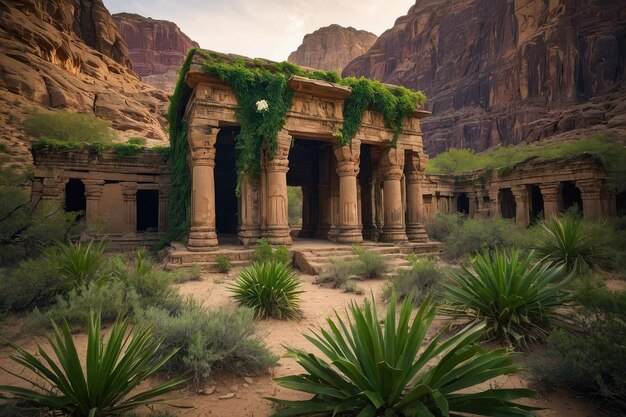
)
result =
(246, 394)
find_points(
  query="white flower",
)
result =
(262, 106)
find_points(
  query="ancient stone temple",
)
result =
(365, 190)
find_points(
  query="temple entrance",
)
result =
(507, 203)
(226, 207)
(366, 196)
(536, 203)
(620, 202)
(462, 204)
(147, 210)
(570, 197)
(75, 196)
(303, 181)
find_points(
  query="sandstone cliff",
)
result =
(331, 48)
(157, 48)
(68, 54)
(507, 71)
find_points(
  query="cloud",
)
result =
(270, 28)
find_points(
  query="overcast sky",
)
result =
(264, 28)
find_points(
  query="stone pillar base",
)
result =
(248, 237)
(201, 239)
(393, 234)
(352, 236)
(280, 236)
(416, 233)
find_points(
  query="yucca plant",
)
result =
(382, 370)
(78, 264)
(111, 372)
(515, 295)
(270, 289)
(570, 242)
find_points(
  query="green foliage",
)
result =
(256, 80)
(223, 263)
(182, 275)
(442, 225)
(78, 264)
(590, 362)
(375, 370)
(137, 140)
(121, 150)
(270, 289)
(294, 205)
(66, 126)
(103, 386)
(423, 278)
(611, 154)
(264, 252)
(32, 283)
(573, 243)
(371, 264)
(209, 341)
(341, 273)
(516, 297)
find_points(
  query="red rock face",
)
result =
(507, 71)
(332, 47)
(156, 46)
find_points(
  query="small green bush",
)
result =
(264, 252)
(270, 289)
(442, 225)
(69, 127)
(33, 283)
(372, 264)
(424, 277)
(78, 264)
(182, 275)
(341, 273)
(223, 263)
(209, 341)
(371, 369)
(515, 296)
(137, 140)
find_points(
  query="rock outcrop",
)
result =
(332, 47)
(68, 54)
(507, 71)
(157, 48)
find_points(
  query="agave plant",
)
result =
(270, 289)
(570, 242)
(112, 371)
(517, 297)
(78, 264)
(378, 370)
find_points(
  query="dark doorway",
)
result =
(226, 203)
(462, 203)
(303, 173)
(570, 197)
(507, 203)
(147, 210)
(75, 196)
(536, 203)
(367, 192)
(620, 201)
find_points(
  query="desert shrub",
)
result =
(340, 273)
(270, 289)
(209, 341)
(182, 275)
(424, 277)
(137, 140)
(264, 252)
(371, 264)
(478, 235)
(78, 264)
(31, 284)
(68, 126)
(223, 263)
(103, 385)
(572, 242)
(440, 226)
(381, 370)
(617, 246)
(515, 296)
(590, 362)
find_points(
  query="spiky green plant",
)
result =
(382, 370)
(78, 264)
(270, 289)
(570, 242)
(516, 296)
(102, 387)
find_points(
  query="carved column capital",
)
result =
(348, 158)
(392, 164)
(202, 139)
(520, 192)
(93, 189)
(279, 162)
(590, 188)
(129, 191)
(549, 191)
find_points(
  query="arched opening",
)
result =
(536, 203)
(620, 201)
(507, 203)
(462, 203)
(570, 197)
(226, 203)
(75, 196)
(147, 210)
(303, 181)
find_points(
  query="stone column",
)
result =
(415, 200)
(522, 210)
(163, 208)
(202, 236)
(495, 210)
(129, 216)
(590, 192)
(392, 166)
(36, 192)
(348, 230)
(93, 193)
(53, 189)
(278, 232)
(250, 224)
(473, 204)
(550, 195)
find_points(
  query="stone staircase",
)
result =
(309, 256)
